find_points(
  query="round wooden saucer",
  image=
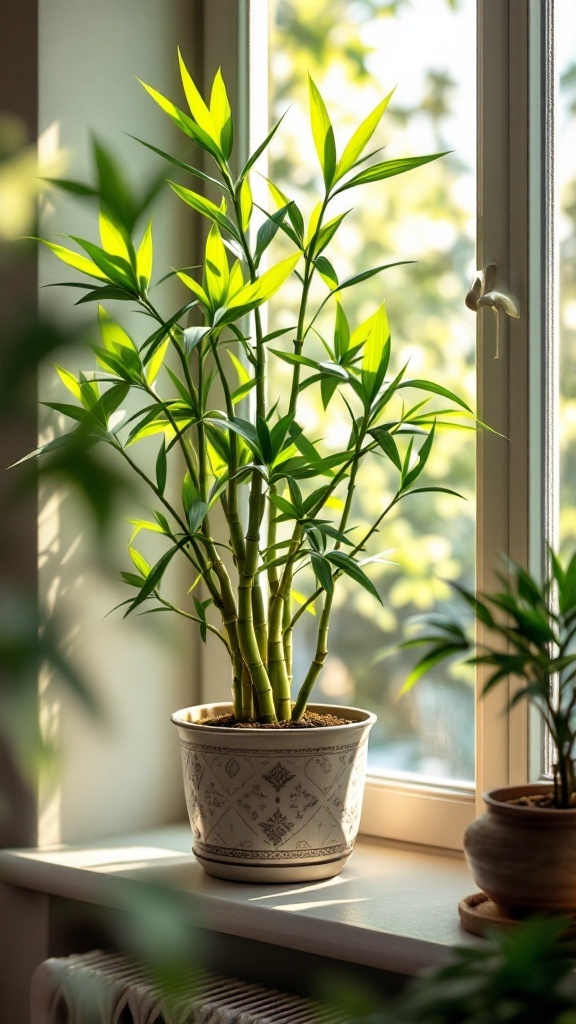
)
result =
(478, 912)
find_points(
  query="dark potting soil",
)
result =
(309, 720)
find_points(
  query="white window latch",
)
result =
(482, 293)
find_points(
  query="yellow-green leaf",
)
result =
(279, 197)
(112, 239)
(198, 108)
(216, 272)
(243, 374)
(361, 137)
(156, 361)
(194, 287)
(301, 599)
(144, 257)
(246, 204)
(143, 524)
(113, 335)
(322, 133)
(221, 114)
(74, 259)
(313, 223)
(236, 279)
(375, 360)
(69, 380)
(269, 282)
(140, 562)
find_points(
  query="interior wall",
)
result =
(122, 773)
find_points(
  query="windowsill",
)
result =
(394, 907)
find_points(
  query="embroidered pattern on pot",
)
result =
(273, 804)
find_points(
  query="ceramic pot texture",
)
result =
(524, 858)
(273, 805)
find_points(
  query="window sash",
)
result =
(515, 391)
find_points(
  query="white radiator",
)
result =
(108, 988)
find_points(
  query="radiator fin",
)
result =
(108, 988)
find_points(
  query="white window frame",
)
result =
(514, 391)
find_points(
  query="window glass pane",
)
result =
(565, 232)
(356, 52)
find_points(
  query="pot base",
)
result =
(272, 873)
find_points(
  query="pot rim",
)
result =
(366, 718)
(496, 799)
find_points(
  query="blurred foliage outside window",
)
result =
(357, 52)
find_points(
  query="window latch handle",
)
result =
(482, 293)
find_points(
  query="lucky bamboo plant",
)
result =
(299, 507)
(529, 634)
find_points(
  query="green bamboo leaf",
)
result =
(264, 439)
(69, 381)
(259, 291)
(221, 115)
(140, 562)
(387, 169)
(246, 204)
(194, 287)
(290, 511)
(293, 359)
(75, 412)
(144, 258)
(361, 137)
(156, 360)
(260, 149)
(74, 259)
(195, 171)
(341, 333)
(113, 238)
(206, 207)
(328, 386)
(388, 445)
(114, 337)
(327, 272)
(322, 133)
(243, 390)
(196, 515)
(216, 271)
(132, 580)
(327, 232)
(346, 564)
(115, 268)
(322, 572)
(194, 131)
(198, 107)
(437, 389)
(267, 231)
(376, 354)
(154, 577)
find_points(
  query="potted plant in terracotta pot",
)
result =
(274, 783)
(522, 850)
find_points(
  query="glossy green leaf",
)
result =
(322, 572)
(156, 360)
(114, 267)
(222, 115)
(112, 237)
(74, 259)
(140, 562)
(341, 332)
(387, 169)
(361, 137)
(322, 133)
(376, 354)
(388, 445)
(69, 381)
(144, 258)
(346, 564)
(194, 287)
(185, 123)
(216, 271)
(206, 207)
(246, 204)
(154, 577)
(114, 337)
(198, 107)
(436, 389)
(196, 515)
(259, 291)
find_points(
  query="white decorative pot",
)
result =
(273, 805)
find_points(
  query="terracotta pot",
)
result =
(524, 858)
(273, 805)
